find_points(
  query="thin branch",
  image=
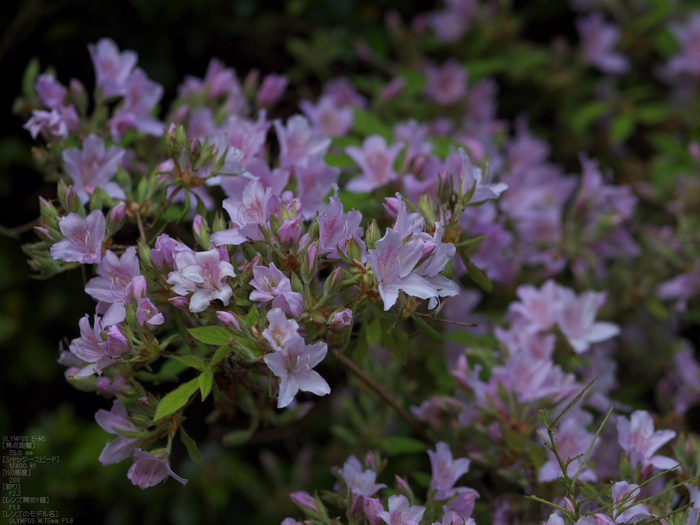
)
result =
(384, 395)
(140, 223)
(25, 227)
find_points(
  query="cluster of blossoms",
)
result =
(238, 256)
(356, 490)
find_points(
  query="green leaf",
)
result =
(374, 331)
(191, 361)
(191, 445)
(476, 274)
(402, 445)
(398, 345)
(205, 381)
(587, 114)
(514, 441)
(211, 335)
(367, 124)
(425, 327)
(239, 437)
(176, 399)
(220, 353)
(251, 318)
(467, 242)
(30, 76)
(621, 128)
(360, 350)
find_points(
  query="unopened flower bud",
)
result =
(271, 90)
(77, 93)
(403, 487)
(255, 261)
(69, 199)
(85, 384)
(314, 230)
(304, 501)
(372, 509)
(310, 263)
(115, 218)
(463, 504)
(392, 89)
(183, 303)
(44, 234)
(250, 83)
(49, 213)
(228, 319)
(201, 231)
(342, 318)
(372, 235)
(333, 282)
(290, 231)
(357, 505)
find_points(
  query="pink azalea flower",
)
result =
(280, 329)
(113, 422)
(573, 440)
(576, 318)
(112, 68)
(345, 94)
(401, 512)
(51, 92)
(218, 81)
(293, 365)
(446, 471)
(537, 306)
(337, 228)
(50, 122)
(83, 238)
(393, 263)
(376, 161)
(203, 273)
(315, 180)
(93, 167)
(328, 117)
(272, 285)
(149, 470)
(447, 83)
(297, 140)
(623, 494)
(358, 481)
(93, 350)
(472, 176)
(141, 96)
(247, 136)
(687, 60)
(598, 39)
(638, 439)
(248, 212)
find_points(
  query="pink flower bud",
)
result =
(118, 213)
(304, 501)
(271, 90)
(403, 487)
(373, 508)
(183, 303)
(392, 89)
(228, 319)
(139, 287)
(342, 319)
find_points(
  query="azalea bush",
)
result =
(456, 283)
